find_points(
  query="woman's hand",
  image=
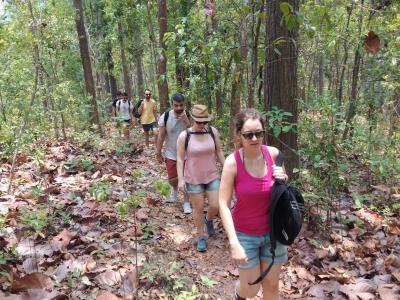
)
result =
(181, 186)
(239, 256)
(279, 173)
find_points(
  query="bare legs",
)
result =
(270, 283)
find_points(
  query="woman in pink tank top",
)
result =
(198, 150)
(250, 173)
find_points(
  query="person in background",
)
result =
(124, 109)
(171, 124)
(250, 173)
(148, 118)
(198, 150)
(114, 104)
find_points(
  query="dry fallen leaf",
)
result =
(31, 281)
(104, 295)
(389, 291)
(129, 283)
(109, 278)
(37, 294)
(61, 241)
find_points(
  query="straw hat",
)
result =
(200, 113)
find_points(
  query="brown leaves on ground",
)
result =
(87, 251)
(31, 281)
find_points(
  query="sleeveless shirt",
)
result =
(250, 214)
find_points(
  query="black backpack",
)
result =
(136, 112)
(285, 216)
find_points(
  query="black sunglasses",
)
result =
(249, 134)
(204, 123)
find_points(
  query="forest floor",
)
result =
(63, 235)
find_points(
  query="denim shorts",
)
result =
(200, 188)
(258, 247)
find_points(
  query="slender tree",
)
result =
(86, 63)
(124, 62)
(162, 60)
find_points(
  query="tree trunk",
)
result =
(255, 33)
(218, 91)
(394, 114)
(344, 63)
(280, 79)
(86, 63)
(351, 111)
(138, 61)
(162, 61)
(125, 67)
(237, 77)
(110, 72)
(321, 75)
(153, 44)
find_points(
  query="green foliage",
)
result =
(87, 165)
(123, 149)
(100, 190)
(177, 285)
(38, 219)
(148, 231)
(36, 191)
(136, 174)
(131, 202)
(207, 282)
(163, 187)
(193, 294)
(76, 274)
(277, 121)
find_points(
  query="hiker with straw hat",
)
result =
(198, 150)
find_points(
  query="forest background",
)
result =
(325, 73)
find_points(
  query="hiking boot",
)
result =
(187, 209)
(209, 226)
(202, 244)
(173, 196)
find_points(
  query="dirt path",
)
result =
(62, 236)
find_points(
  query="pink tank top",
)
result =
(201, 160)
(253, 194)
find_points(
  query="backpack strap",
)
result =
(279, 163)
(166, 116)
(209, 131)
(188, 133)
(279, 159)
(212, 135)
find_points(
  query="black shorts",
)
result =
(148, 127)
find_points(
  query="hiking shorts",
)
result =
(148, 127)
(200, 188)
(257, 247)
(171, 168)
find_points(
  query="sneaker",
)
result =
(173, 196)
(209, 226)
(187, 209)
(202, 244)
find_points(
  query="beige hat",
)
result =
(200, 113)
